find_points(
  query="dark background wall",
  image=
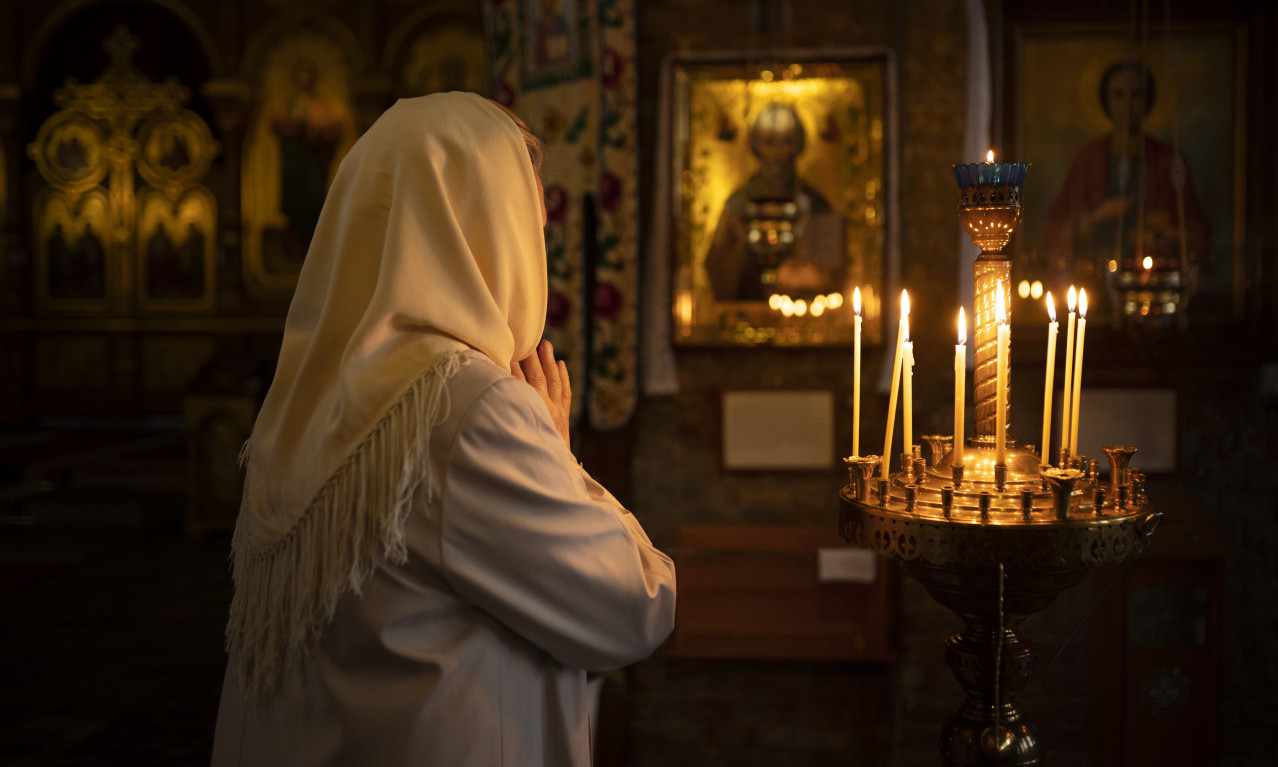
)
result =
(665, 463)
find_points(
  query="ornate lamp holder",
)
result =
(994, 542)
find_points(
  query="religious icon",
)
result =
(776, 233)
(446, 56)
(780, 176)
(303, 126)
(1138, 170)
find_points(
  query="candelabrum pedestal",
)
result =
(994, 549)
(994, 542)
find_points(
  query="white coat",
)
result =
(523, 573)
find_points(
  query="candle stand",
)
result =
(994, 542)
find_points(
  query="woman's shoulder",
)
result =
(479, 378)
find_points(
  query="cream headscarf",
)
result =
(430, 242)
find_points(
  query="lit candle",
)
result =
(907, 385)
(960, 388)
(1044, 452)
(856, 373)
(901, 333)
(1070, 299)
(1078, 371)
(1000, 401)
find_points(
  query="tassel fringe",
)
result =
(286, 595)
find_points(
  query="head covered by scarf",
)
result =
(430, 242)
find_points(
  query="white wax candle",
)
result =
(907, 385)
(1078, 372)
(960, 388)
(1000, 400)
(1044, 446)
(1068, 391)
(902, 332)
(856, 373)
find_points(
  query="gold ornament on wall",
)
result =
(98, 237)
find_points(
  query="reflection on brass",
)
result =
(96, 234)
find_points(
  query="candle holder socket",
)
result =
(1061, 483)
(1000, 477)
(860, 469)
(938, 445)
(956, 472)
(1119, 456)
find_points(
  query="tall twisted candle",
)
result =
(1068, 392)
(856, 373)
(1078, 372)
(901, 334)
(1044, 452)
(1000, 410)
(960, 386)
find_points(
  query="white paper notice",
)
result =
(845, 565)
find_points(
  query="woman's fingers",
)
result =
(550, 370)
(565, 396)
(549, 378)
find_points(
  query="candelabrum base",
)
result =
(998, 547)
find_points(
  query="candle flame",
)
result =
(962, 327)
(1000, 311)
(989, 156)
(1072, 298)
(1082, 303)
(1051, 307)
(856, 301)
(1148, 263)
(905, 304)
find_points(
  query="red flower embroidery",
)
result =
(612, 68)
(607, 301)
(609, 191)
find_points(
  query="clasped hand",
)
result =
(550, 379)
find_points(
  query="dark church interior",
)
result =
(162, 164)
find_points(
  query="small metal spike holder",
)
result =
(994, 543)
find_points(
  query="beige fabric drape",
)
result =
(429, 243)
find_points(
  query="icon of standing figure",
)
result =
(776, 233)
(1127, 195)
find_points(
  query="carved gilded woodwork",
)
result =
(104, 246)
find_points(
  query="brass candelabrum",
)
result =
(994, 542)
